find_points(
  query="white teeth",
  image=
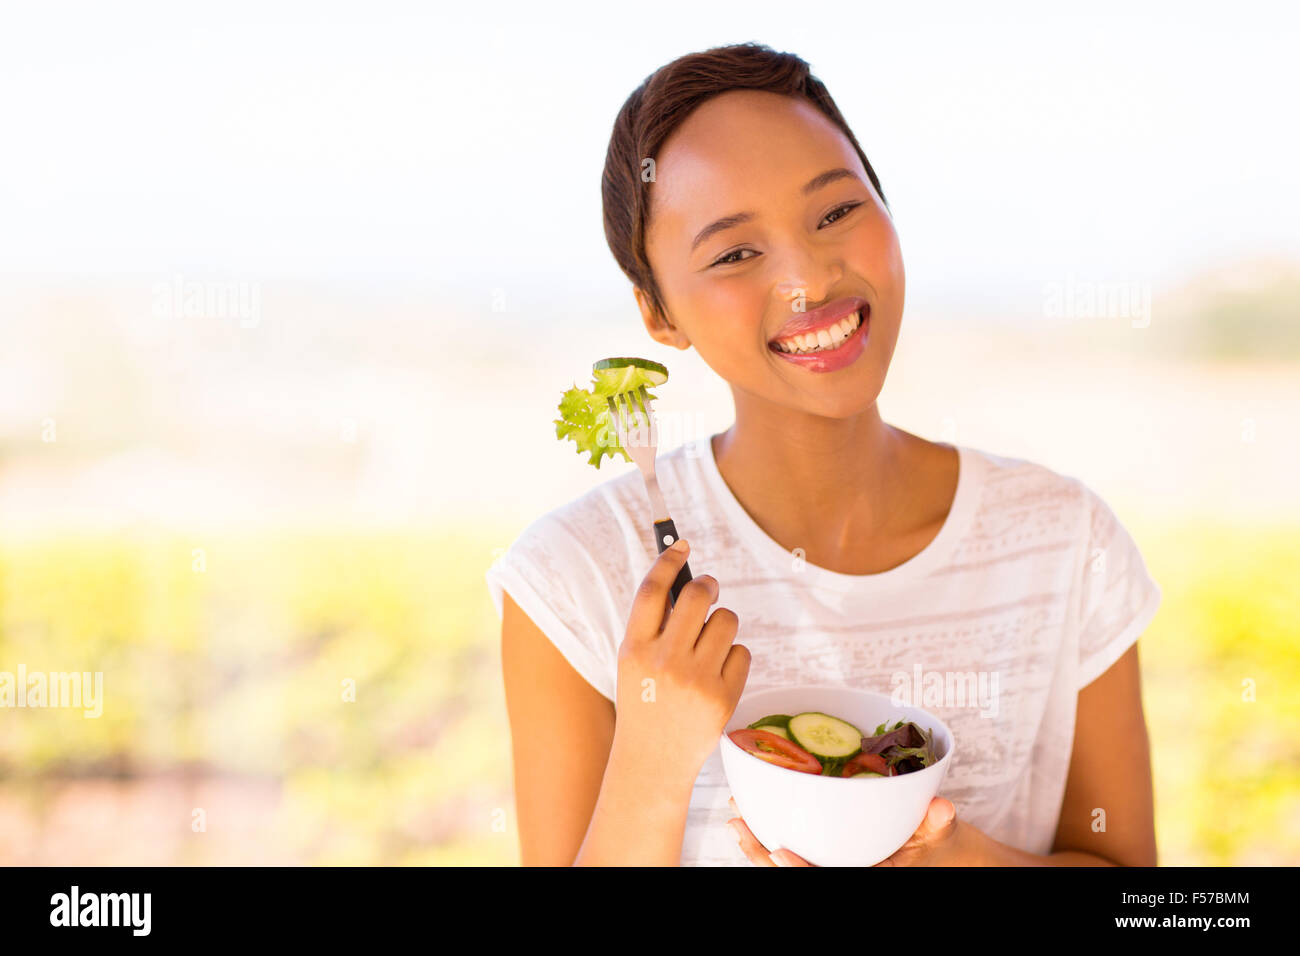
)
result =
(822, 339)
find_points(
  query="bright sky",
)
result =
(391, 141)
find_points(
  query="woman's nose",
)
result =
(807, 272)
(815, 284)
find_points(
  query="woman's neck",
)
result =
(845, 491)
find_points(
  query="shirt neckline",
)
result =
(927, 559)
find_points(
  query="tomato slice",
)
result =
(873, 762)
(766, 745)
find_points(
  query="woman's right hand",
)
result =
(679, 674)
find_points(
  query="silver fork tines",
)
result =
(633, 419)
(643, 399)
(640, 441)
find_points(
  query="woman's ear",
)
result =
(660, 329)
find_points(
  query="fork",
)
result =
(640, 438)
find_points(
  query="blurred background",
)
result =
(289, 292)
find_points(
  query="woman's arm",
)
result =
(593, 789)
(558, 769)
(1110, 770)
(562, 736)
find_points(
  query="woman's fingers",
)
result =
(934, 829)
(717, 637)
(755, 851)
(687, 625)
(650, 604)
(784, 857)
(735, 670)
(688, 614)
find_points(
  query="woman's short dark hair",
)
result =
(659, 105)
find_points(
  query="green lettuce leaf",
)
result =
(584, 414)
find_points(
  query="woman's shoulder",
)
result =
(1012, 484)
(1008, 478)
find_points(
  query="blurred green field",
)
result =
(1221, 670)
(236, 672)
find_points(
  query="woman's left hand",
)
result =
(939, 841)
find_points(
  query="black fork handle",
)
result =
(665, 535)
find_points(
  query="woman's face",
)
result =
(749, 151)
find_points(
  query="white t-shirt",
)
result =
(1032, 586)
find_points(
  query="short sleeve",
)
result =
(1119, 596)
(551, 575)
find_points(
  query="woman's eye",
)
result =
(842, 210)
(727, 260)
(845, 209)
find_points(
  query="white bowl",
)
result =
(831, 821)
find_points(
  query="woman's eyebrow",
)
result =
(735, 219)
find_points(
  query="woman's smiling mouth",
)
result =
(827, 339)
(830, 344)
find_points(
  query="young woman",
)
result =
(846, 550)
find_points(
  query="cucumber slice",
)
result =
(615, 375)
(772, 720)
(824, 736)
(866, 773)
(774, 729)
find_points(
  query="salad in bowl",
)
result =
(837, 775)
